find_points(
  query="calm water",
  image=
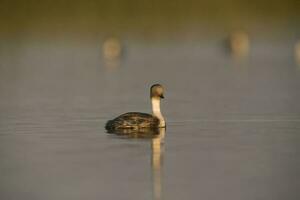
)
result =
(233, 127)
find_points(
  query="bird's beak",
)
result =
(162, 96)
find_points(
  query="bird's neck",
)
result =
(156, 111)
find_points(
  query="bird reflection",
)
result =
(139, 133)
(157, 159)
(157, 136)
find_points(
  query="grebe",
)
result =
(136, 120)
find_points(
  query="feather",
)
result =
(132, 120)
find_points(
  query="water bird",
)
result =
(141, 121)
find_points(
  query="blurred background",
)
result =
(231, 71)
(148, 19)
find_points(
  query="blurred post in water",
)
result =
(112, 52)
(297, 52)
(239, 45)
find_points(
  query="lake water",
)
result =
(233, 126)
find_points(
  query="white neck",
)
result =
(156, 111)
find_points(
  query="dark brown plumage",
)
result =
(132, 120)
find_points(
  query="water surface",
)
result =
(233, 127)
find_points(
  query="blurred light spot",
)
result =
(239, 44)
(112, 49)
(297, 52)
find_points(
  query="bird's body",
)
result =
(132, 120)
(137, 120)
